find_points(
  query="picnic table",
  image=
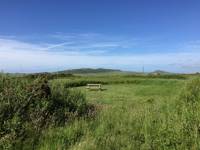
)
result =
(94, 86)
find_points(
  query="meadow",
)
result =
(145, 112)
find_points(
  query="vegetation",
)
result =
(117, 79)
(132, 112)
(28, 107)
(47, 75)
(151, 116)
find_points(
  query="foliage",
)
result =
(28, 107)
(136, 113)
(47, 75)
(166, 121)
(83, 81)
(160, 76)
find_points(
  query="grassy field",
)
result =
(130, 93)
(131, 112)
(138, 115)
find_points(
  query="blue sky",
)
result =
(52, 35)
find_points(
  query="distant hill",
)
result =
(88, 70)
(160, 72)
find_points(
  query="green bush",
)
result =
(28, 107)
(47, 75)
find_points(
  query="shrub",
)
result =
(47, 75)
(28, 107)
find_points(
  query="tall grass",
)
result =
(169, 124)
(77, 82)
(36, 114)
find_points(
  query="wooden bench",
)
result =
(94, 86)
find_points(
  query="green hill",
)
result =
(160, 72)
(88, 70)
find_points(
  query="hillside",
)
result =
(88, 70)
(160, 72)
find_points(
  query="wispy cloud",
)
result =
(94, 40)
(91, 50)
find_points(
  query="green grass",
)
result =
(138, 115)
(132, 112)
(114, 93)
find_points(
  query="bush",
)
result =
(28, 107)
(49, 76)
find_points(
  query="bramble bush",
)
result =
(27, 107)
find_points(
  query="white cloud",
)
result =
(18, 56)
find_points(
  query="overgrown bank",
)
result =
(27, 107)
